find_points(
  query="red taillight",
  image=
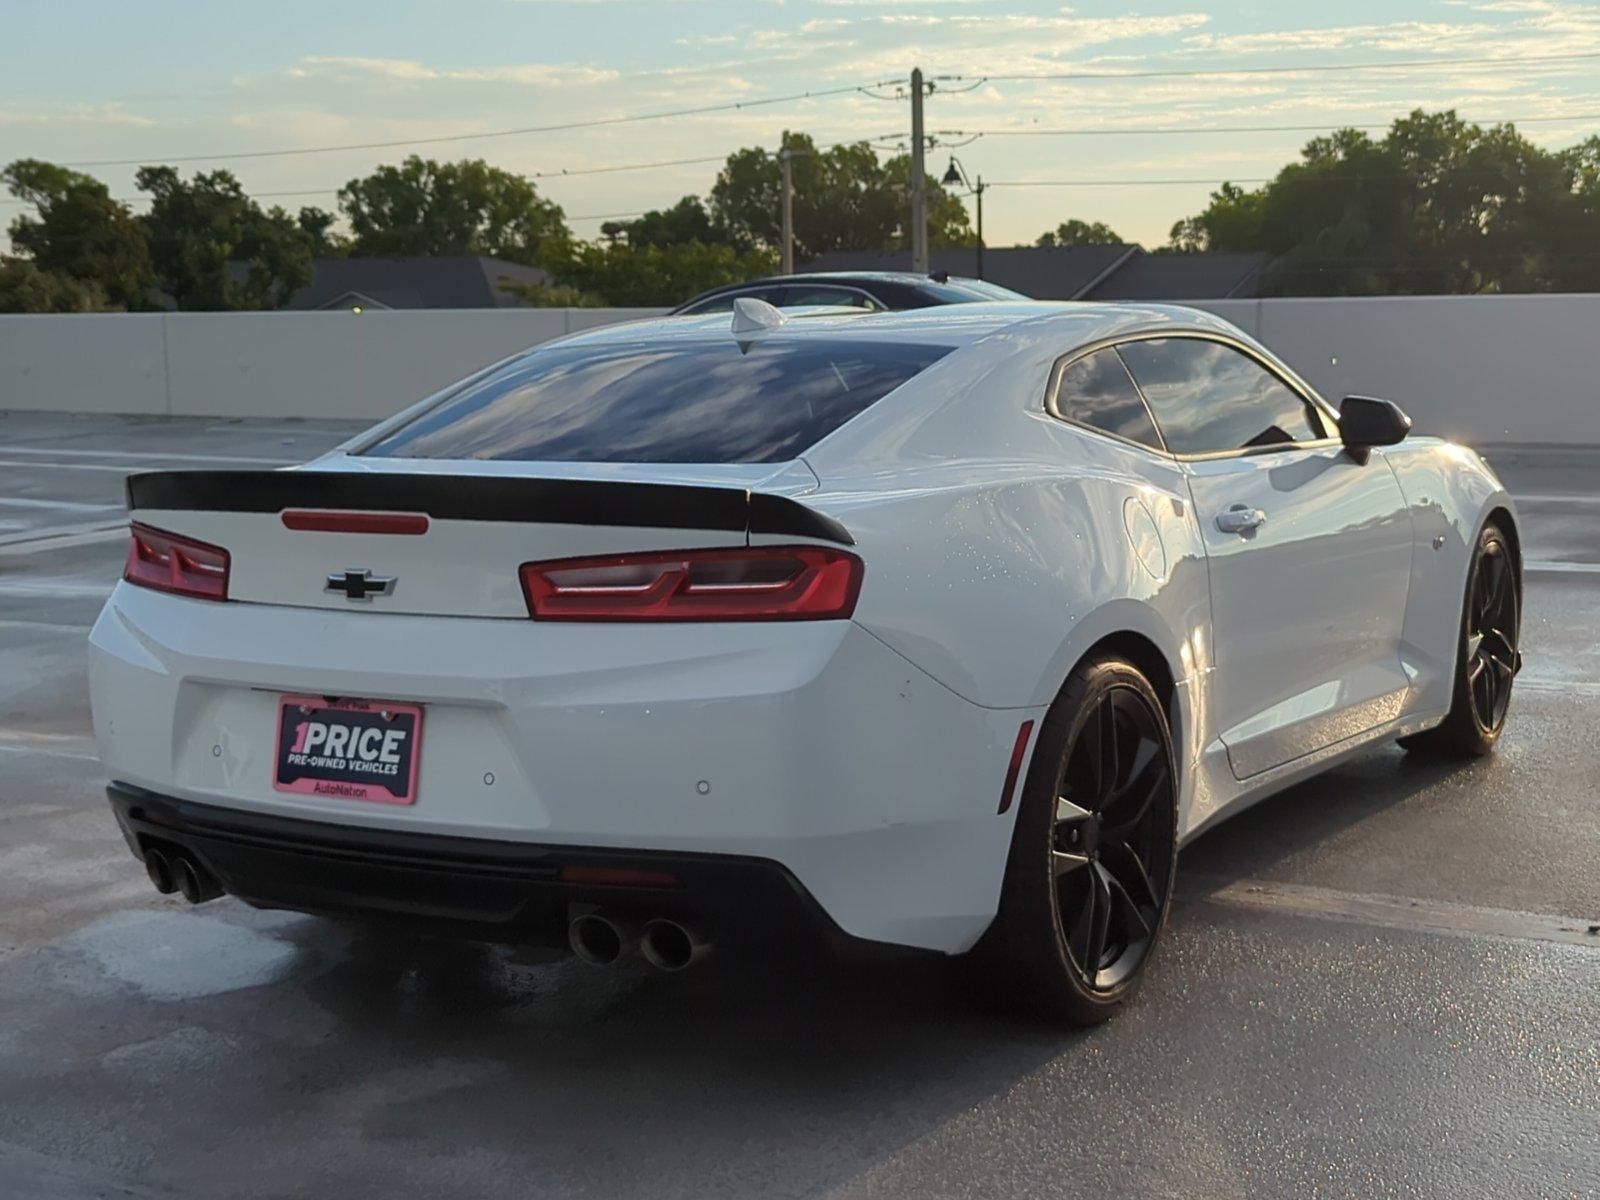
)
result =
(169, 563)
(323, 521)
(1014, 768)
(749, 583)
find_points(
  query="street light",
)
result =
(956, 176)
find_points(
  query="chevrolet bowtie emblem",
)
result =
(360, 585)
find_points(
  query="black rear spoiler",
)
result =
(487, 498)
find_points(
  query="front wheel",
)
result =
(1487, 659)
(1089, 880)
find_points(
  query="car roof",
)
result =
(1070, 323)
(910, 278)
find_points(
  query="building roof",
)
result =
(463, 281)
(1043, 272)
(1210, 276)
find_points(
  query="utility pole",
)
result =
(786, 163)
(919, 209)
(979, 192)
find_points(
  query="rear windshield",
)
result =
(700, 402)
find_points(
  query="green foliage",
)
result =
(627, 276)
(844, 199)
(424, 208)
(317, 224)
(80, 235)
(25, 287)
(215, 249)
(685, 221)
(1080, 233)
(548, 295)
(1438, 205)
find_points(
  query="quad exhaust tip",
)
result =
(669, 946)
(600, 941)
(174, 871)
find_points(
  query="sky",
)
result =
(85, 81)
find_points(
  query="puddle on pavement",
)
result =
(183, 955)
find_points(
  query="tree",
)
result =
(845, 198)
(215, 249)
(686, 221)
(1080, 233)
(626, 275)
(80, 234)
(317, 224)
(423, 207)
(1437, 205)
(25, 287)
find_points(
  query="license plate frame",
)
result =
(380, 769)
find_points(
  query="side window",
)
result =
(1207, 397)
(724, 302)
(798, 294)
(1096, 391)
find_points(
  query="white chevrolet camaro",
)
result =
(940, 629)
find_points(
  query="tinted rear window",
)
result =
(700, 402)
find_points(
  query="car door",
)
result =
(1308, 552)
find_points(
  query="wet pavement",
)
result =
(1379, 983)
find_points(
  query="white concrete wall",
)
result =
(1481, 368)
(299, 364)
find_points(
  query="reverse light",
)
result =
(745, 583)
(169, 563)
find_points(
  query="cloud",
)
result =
(412, 71)
(76, 114)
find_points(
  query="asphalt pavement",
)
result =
(1383, 982)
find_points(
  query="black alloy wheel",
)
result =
(1487, 659)
(1108, 847)
(1491, 647)
(1089, 882)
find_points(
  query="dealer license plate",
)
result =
(348, 749)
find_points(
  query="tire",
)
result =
(1487, 660)
(1067, 863)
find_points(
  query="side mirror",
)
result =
(1365, 422)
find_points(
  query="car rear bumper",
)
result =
(499, 891)
(808, 744)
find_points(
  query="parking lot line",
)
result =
(45, 465)
(30, 502)
(1394, 912)
(45, 626)
(145, 455)
(1561, 568)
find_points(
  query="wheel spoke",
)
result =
(1099, 922)
(1129, 871)
(1135, 928)
(1068, 812)
(1131, 804)
(1105, 757)
(1497, 647)
(1064, 862)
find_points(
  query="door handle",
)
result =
(1241, 519)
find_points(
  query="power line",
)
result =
(1309, 69)
(1136, 130)
(628, 119)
